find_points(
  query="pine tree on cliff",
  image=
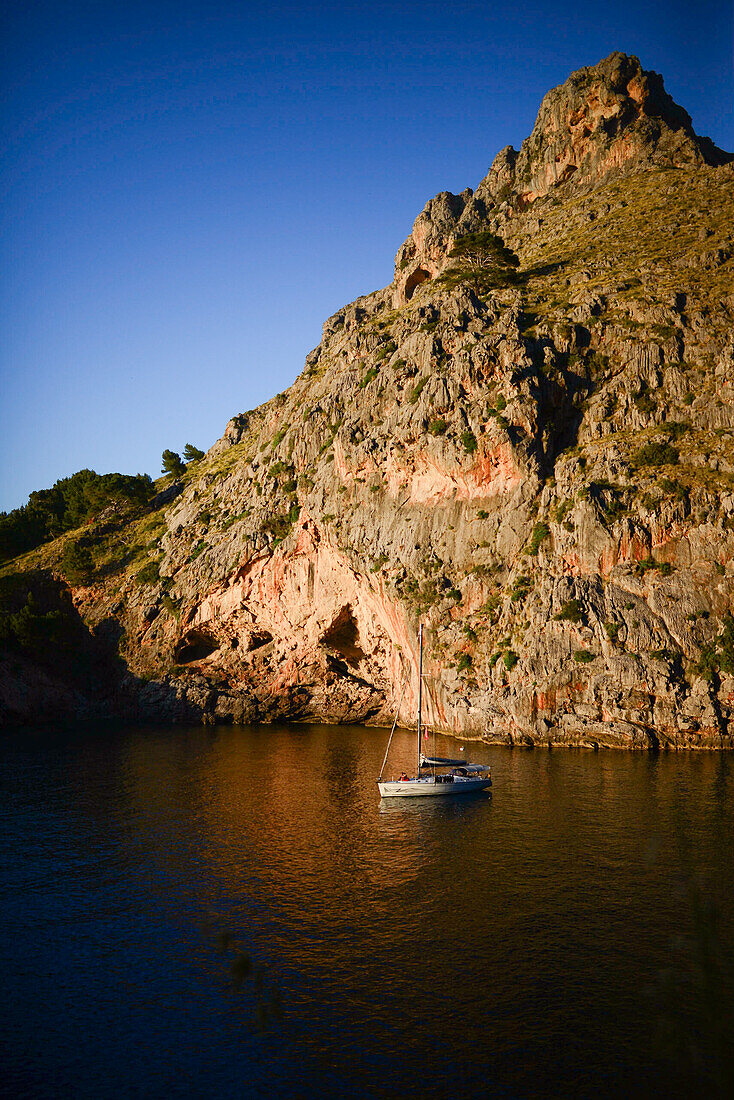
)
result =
(172, 464)
(192, 453)
(482, 260)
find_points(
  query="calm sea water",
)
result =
(233, 913)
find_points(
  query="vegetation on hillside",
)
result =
(192, 453)
(70, 502)
(483, 261)
(647, 236)
(171, 463)
(39, 622)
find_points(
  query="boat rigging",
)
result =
(447, 776)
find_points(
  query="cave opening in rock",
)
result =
(414, 280)
(567, 172)
(343, 636)
(195, 645)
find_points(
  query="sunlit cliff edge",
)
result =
(541, 470)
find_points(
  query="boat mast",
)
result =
(420, 690)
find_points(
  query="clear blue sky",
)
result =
(190, 189)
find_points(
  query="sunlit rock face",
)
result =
(610, 118)
(606, 120)
(541, 472)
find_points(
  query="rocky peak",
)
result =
(606, 120)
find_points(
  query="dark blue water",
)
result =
(232, 913)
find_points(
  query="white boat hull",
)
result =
(429, 788)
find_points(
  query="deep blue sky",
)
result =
(190, 189)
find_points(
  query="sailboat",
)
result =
(435, 775)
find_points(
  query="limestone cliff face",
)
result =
(606, 120)
(542, 473)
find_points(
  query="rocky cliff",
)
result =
(539, 467)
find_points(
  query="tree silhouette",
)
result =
(172, 463)
(192, 453)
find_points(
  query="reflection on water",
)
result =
(236, 911)
(448, 804)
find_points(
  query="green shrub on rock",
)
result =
(279, 525)
(171, 606)
(76, 563)
(657, 454)
(648, 564)
(149, 574)
(386, 350)
(521, 588)
(571, 612)
(540, 532)
(469, 441)
(718, 657)
(725, 641)
(416, 391)
(583, 656)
